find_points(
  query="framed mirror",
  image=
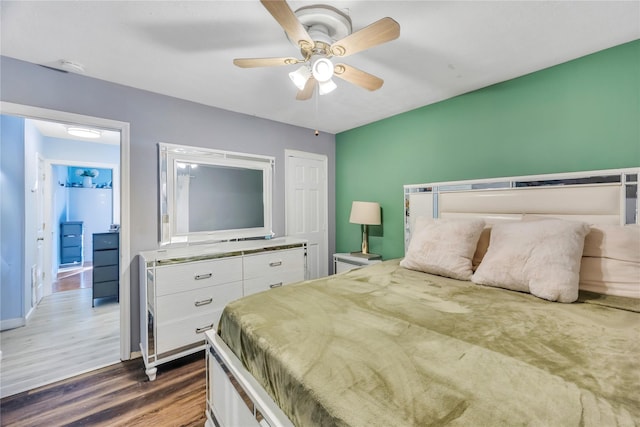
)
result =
(211, 195)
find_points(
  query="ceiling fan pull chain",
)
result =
(317, 132)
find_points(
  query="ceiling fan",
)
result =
(322, 32)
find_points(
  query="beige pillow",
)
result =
(483, 241)
(540, 257)
(481, 247)
(443, 247)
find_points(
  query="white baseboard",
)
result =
(31, 311)
(7, 324)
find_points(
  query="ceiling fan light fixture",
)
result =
(84, 132)
(326, 87)
(300, 76)
(322, 32)
(322, 70)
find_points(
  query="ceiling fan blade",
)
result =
(382, 31)
(288, 20)
(308, 90)
(358, 77)
(264, 62)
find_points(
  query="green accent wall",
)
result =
(580, 115)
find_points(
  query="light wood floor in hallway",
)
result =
(64, 337)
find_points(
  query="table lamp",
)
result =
(365, 214)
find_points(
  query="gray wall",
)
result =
(156, 118)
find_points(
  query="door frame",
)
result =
(288, 197)
(39, 113)
(41, 197)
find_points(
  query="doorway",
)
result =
(81, 200)
(48, 240)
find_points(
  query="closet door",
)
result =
(306, 207)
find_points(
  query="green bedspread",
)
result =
(386, 346)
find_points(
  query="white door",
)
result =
(37, 274)
(306, 207)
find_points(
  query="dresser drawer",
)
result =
(195, 302)
(105, 289)
(72, 252)
(105, 241)
(259, 284)
(105, 274)
(69, 241)
(71, 228)
(175, 278)
(190, 330)
(267, 263)
(107, 257)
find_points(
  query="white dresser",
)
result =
(184, 290)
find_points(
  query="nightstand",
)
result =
(346, 262)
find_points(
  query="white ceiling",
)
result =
(185, 49)
(59, 130)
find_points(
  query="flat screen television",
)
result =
(212, 195)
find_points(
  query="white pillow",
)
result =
(539, 257)
(443, 246)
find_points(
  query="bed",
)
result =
(393, 345)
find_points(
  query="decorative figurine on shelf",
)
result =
(87, 176)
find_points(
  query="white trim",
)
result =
(7, 324)
(304, 155)
(125, 227)
(549, 176)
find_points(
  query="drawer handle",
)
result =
(276, 285)
(203, 302)
(203, 276)
(275, 263)
(204, 328)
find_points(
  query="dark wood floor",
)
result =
(118, 395)
(76, 278)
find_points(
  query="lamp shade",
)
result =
(365, 213)
(300, 76)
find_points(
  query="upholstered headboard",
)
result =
(595, 197)
(604, 199)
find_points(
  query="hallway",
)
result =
(73, 278)
(65, 336)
